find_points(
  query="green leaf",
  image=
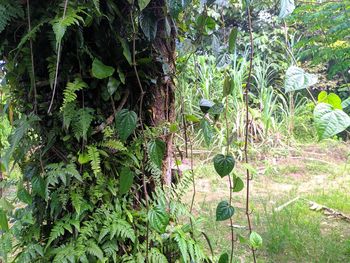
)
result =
(224, 258)
(126, 50)
(23, 195)
(224, 211)
(3, 221)
(232, 39)
(207, 131)
(255, 240)
(158, 218)
(125, 181)
(39, 186)
(223, 164)
(238, 185)
(83, 158)
(6, 205)
(297, 78)
(227, 86)
(287, 7)
(322, 96)
(112, 85)
(143, 4)
(335, 101)
(156, 150)
(125, 122)
(329, 121)
(149, 25)
(331, 98)
(100, 70)
(192, 118)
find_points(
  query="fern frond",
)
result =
(122, 229)
(69, 113)
(95, 161)
(155, 256)
(9, 10)
(69, 94)
(60, 24)
(62, 171)
(115, 145)
(182, 244)
(93, 249)
(182, 187)
(82, 122)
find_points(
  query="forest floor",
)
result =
(317, 172)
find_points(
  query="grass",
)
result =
(316, 172)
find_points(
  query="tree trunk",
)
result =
(162, 95)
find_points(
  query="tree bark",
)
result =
(162, 95)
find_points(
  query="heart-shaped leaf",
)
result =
(223, 164)
(125, 122)
(224, 211)
(329, 121)
(156, 150)
(255, 240)
(238, 185)
(100, 70)
(297, 78)
(125, 181)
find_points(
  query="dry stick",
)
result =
(58, 61)
(141, 123)
(32, 57)
(246, 95)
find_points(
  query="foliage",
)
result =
(91, 186)
(327, 27)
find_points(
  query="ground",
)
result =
(318, 172)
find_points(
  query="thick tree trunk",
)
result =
(162, 99)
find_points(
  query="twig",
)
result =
(58, 62)
(141, 123)
(246, 96)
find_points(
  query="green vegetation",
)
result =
(181, 131)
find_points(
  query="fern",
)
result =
(155, 256)
(60, 228)
(69, 113)
(9, 10)
(110, 249)
(62, 171)
(93, 249)
(182, 244)
(182, 187)
(122, 229)
(95, 161)
(60, 24)
(82, 122)
(115, 145)
(69, 94)
(78, 202)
